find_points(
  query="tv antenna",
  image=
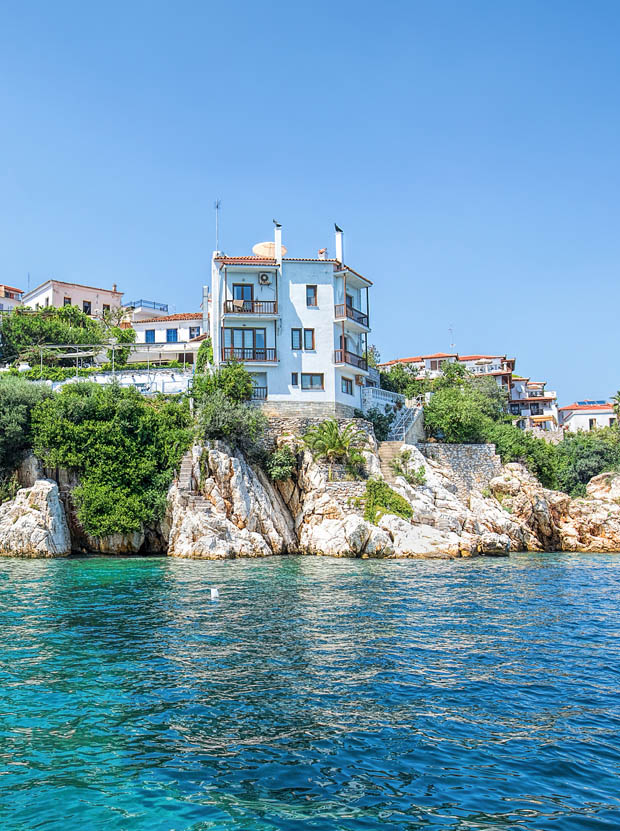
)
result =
(452, 344)
(217, 205)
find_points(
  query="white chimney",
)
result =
(339, 247)
(278, 242)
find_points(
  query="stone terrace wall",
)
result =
(472, 465)
(306, 409)
(345, 493)
(297, 425)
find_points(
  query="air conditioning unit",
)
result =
(360, 380)
(264, 278)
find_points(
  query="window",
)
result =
(312, 380)
(243, 296)
(350, 301)
(311, 296)
(612, 421)
(194, 332)
(247, 345)
(295, 338)
(66, 301)
(294, 379)
(592, 424)
(347, 386)
(514, 409)
(47, 302)
(308, 338)
(535, 409)
(106, 307)
(86, 307)
(149, 336)
(172, 335)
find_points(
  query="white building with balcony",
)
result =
(299, 325)
(430, 366)
(585, 416)
(169, 338)
(10, 298)
(534, 406)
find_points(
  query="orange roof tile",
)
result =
(183, 316)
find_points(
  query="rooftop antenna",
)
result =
(452, 344)
(217, 205)
(28, 281)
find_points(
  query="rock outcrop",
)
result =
(34, 524)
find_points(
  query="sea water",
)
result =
(313, 694)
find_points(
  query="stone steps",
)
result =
(388, 450)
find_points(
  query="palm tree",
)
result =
(616, 402)
(327, 441)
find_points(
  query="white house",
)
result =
(170, 338)
(300, 326)
(138, 310)
(587, 415)
(430, 366)
(535, 406)
(91, 300)
(10, 298)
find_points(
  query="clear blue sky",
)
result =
(470, 150)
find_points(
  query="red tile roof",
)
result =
(268, 261)
(184, 316)
(478, 357)
(11, 288)
(608, 407)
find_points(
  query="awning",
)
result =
(539, 419)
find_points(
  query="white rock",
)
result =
(34, 524)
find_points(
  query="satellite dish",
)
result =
(267, 249)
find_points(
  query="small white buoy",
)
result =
(215, 594)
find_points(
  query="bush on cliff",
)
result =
(514, 445)
(280, 464)
(124, 447)
(24, 331)
(380, 499)
(584, 455)
(328, 441)
(232, 379)
(239, 424)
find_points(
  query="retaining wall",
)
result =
(472, 466)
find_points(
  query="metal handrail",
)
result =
(343, 356)
(235, 353)
(344, 310)
(255, 307)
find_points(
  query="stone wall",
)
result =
(471, 466)
(345, 493)
(306, 409)
(280, 425)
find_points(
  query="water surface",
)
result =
(316, 694)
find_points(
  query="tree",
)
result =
(24, 331)
(373, 356)
(17, 401)
(380, 420)
(205, 355)
(334, 444)
(122, 336)
(404, 379)
(616, 402)
(232, 379)
(238, 423)
(584, 455)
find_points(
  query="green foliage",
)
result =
(124, 447)
(281, 464)
(514, 445)
(205, 355)
(381, 421)
(380, 499)
(329, 442)
(9, 485)
(373, 355)
(24, 330)
(121, 352)
(57, 373)
(404, 380)
(17, 401)
(584, 455)
(232, 379)
(401, 466)
(237, 423)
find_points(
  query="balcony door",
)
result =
(245, 344)
(243, 294)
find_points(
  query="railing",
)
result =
(371, 396)
(259, 393)
(251, 307)
(234, 353)
(146, 304)
(342, 356)
(344, 310)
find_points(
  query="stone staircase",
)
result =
(388, 450)
(185, 473)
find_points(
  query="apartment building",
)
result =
(299, 324)
(91, 300)
(10, 298)
(585, 416)
(430, 366)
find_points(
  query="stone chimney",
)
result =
(339, 244)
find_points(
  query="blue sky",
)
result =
(469, 149)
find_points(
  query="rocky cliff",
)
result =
(222, 507)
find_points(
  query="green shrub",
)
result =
(205, 355)
(281, 464)
(400, 466)
(17, 401)
(24, 331)
(327, 441)
(380, 499)
(381, 421)
(124, 447)
(239, 424)
(514, 445)
(232, 379)
(584, 455)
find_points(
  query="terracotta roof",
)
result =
(478, 357)
(419, 358)
(599, 407)
(79, 285)
(11, 288)
(246, 261)
(184, 316)
(268, 261)
(199, 338)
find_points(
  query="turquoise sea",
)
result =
(314, 694)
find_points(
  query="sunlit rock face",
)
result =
(34, 523)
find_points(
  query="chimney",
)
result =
(113, 286)
(339, 249)
(278, 242)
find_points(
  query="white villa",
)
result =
(91, 300)
(429, 366)
(584, 416)
(300, 326)
(535, 406)
(10, 298)
(174, 337)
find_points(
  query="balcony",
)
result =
(146, 304)
(341, 356)
(251, 307)
(235, 353)
(259, 393)
(344, 310)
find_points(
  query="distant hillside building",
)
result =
(429, 366)
(587, 415)
(536, 407)
(91, 300)
(168, 338)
